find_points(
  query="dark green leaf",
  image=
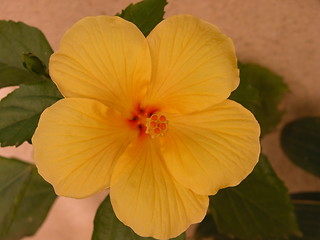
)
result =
(25, 199)
(306, 196)
(16, 39)
(145, 14)
(11, 76)
(108, 227)
(259, 208)
(33, 64)
(21, 109)
(307, 208)
(300, 141)
(260, 91)
(207, 229)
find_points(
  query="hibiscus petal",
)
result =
(212, 149)
(146, 197)
(103, 58)
(76, 145)
(193, 65)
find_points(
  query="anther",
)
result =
(156, 125)
(157, 130)
(153, 124)
(163, 118)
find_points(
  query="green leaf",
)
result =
(25, 199)
(307, 208)
(207, 229)
(108, 227)
(300, 141)
(260, 91)
(16, 39)
(34, 64)
(258, 208)
(20, 111)
(11, 76)
(145, 14)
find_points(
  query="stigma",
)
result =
(156, 125)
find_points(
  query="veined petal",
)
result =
(146, 197)
(193, 65)
(212, 149)
(103, 58)
(76, 145)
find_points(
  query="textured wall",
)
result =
(281, 35)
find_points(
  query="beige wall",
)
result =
(282, 35)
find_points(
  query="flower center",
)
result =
(149, 122)
(156, 125)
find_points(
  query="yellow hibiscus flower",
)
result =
(148, 118)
